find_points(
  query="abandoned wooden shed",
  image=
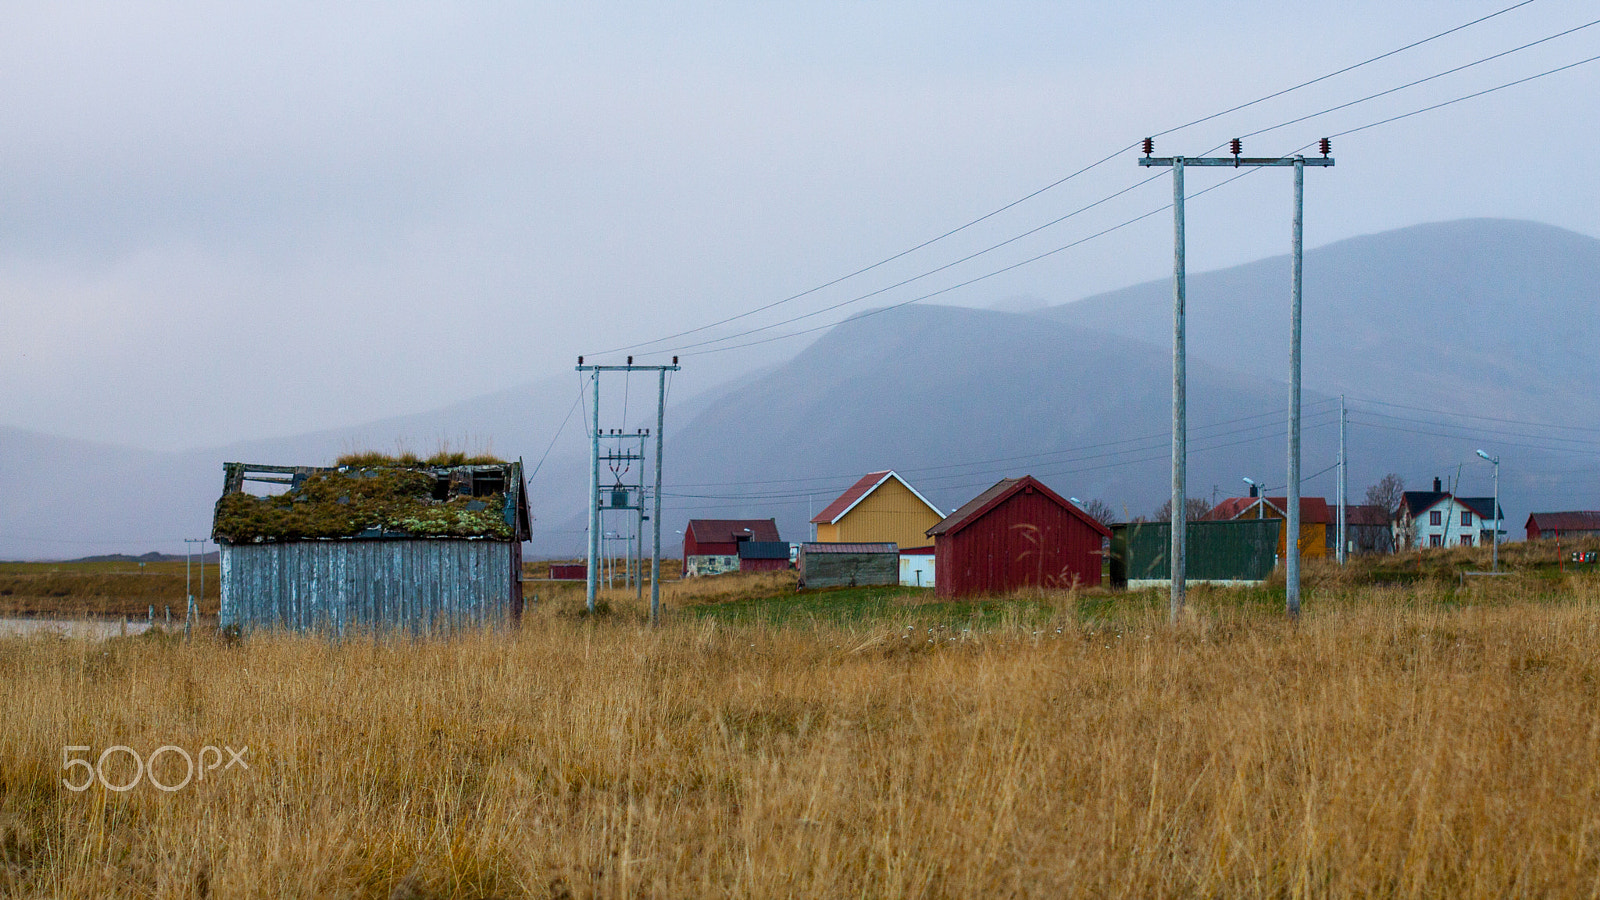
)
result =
(376, 543)
(1016, 534)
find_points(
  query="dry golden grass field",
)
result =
(1419, 738)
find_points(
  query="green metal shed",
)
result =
(1234, 551)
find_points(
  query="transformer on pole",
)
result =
(635, 500)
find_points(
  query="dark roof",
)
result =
(857, 547)
(726, 531)
(1483, 506)
(374, 497)
(1366, 515)
(1578, 520)
(975, 508)
(1418, 501)
(764, 550)
(856, 492)
(1312, 509)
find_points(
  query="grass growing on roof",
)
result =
(344, 504)
(372, 459)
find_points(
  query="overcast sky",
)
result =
(220, 222)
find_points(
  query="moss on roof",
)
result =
(368, 501)
(371, 459)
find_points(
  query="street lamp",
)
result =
(1495, 532)
(1258, 492)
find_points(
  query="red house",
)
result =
(1016, 534)
(1580, 523)
(722, 537)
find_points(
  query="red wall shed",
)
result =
(1016, 534)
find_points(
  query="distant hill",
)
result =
(1487, 317)
(1496, 314)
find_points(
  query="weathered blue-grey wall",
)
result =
(419, 586)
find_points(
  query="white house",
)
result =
(1438, 518)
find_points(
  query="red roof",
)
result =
(975, 508)
(725, 531)
(1584, 520)
(1312, 509)
(1364, 515)
(856, 492)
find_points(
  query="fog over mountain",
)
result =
(1421, 327)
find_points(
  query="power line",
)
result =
(971, 256)
(1435, 76)
(1463, 415)
(1582, 444)
(1048, 467)
(1162, 435)
(785, 500)
(1350, 68)
(971, 281)
(1063, 180)
(1029, 261)
(1472, 96)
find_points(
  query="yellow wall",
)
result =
(1313, 535)
(890, 513)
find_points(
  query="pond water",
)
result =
(94, 629)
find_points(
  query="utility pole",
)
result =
(1179, 397)
(191, 612)
(655, 513)
(1494, 534)
(594, 477)
(1344, 420)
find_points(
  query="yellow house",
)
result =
(1315, 517)
(880, 507)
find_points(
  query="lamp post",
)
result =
(1494, 532)
(1256, 492)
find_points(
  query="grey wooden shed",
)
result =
(377, 544)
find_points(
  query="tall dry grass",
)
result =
(1385, 747)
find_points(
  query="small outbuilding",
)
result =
(1227, 552)
(373, 543)
(1017, 534)
(711, 546)
(1557, 525)
(879, 508)
(848, 565)
(764, 556)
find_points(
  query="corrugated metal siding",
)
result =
(890, 513)
(1026, 541)
(420, 586)
(828, 567)
(1230, 550)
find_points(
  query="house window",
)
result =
(1466, 518)
(1466, 540)
(1436, 518)
(1436, 540)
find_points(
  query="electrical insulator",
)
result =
(674, 360)
(630, 360)
(1235, 146)
(1325, 145)
(1149, 146)
(580, 360)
